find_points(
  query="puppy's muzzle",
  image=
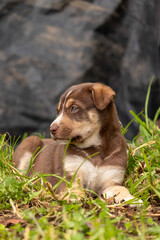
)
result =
(53, 129)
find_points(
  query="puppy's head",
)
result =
(78, 116)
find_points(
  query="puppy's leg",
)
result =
(120, 194)
(25, 151)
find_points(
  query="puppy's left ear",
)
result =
(102, 95)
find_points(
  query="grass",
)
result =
(32, 211)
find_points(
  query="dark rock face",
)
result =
(48, 45)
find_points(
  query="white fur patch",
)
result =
(25, 161)
(59, 118)
(112, 173)
(86, 172)
(93, 177)
(93, 140)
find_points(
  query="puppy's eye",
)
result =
(74, 109)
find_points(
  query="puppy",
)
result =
(86, 114)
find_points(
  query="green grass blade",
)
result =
(146, 103)
(156, 116)
(138, 120)
(125, 129)
(64, 155)
(35, 154)
(138, 182)
(155, 190)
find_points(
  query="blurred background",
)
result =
(48, 45)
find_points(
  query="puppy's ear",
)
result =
(102, 95)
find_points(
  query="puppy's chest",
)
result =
(92, 176)
(83, 167)
(87, 167)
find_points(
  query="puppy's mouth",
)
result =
(74, 140)
(77, 139)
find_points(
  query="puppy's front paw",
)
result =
(121, 194)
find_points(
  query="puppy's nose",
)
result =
(54, 128)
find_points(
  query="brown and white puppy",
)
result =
(87, 115)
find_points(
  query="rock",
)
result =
(48, 45)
